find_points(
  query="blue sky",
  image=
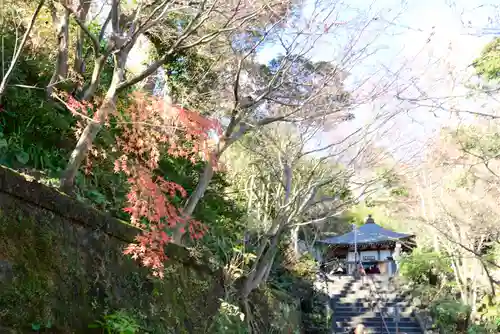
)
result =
(402, 26)
(428, 42)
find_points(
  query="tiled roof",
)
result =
(367, 233)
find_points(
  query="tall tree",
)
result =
(456, 180)
(288, 90)
(196, 24)
(60, 20)
(287, 188)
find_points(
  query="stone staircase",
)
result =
(371, 303)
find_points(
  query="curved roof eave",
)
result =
(368, 233)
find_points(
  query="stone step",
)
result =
(351, 298)
(369, 314)
(378, 325)
(370, 304)
(380, 328)
(336, 280)
(362, 302)
(350, 289)
(384, 331)
(357, 289)
(375, 319)
(365, 309)
(354, 298)
(378, 331)
(354, 301)
(370, 311)
(354, 286)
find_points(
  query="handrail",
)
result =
(375, 290)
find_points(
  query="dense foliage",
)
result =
(487, 64)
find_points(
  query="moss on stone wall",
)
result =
(63, 265)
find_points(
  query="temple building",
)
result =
(377, 249)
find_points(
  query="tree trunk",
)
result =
(294, 234)
(263, 266)
(196, 196)
(85, 141)
(269, 268)
(473, 299)
(253, 281)
(83, 10)
(458, 280)
(201, 187)
(10, 70)
(248, 314)
(205, 178)
(61, 67)
(99, 63)
(92, 129)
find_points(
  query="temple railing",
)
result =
(378, 299)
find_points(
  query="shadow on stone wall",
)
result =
(61, 262)
(313, 305)
(293, 283)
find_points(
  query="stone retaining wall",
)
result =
(61, 263)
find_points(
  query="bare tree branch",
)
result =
(15, 58)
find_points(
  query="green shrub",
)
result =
(230, 319)
(419, 266)
(117, 323)
(451, 316)
(477, 329)
(489, 314)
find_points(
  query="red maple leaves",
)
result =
(147, 128)
(150, 127)
(151, 210)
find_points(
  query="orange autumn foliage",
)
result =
(148, 128)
